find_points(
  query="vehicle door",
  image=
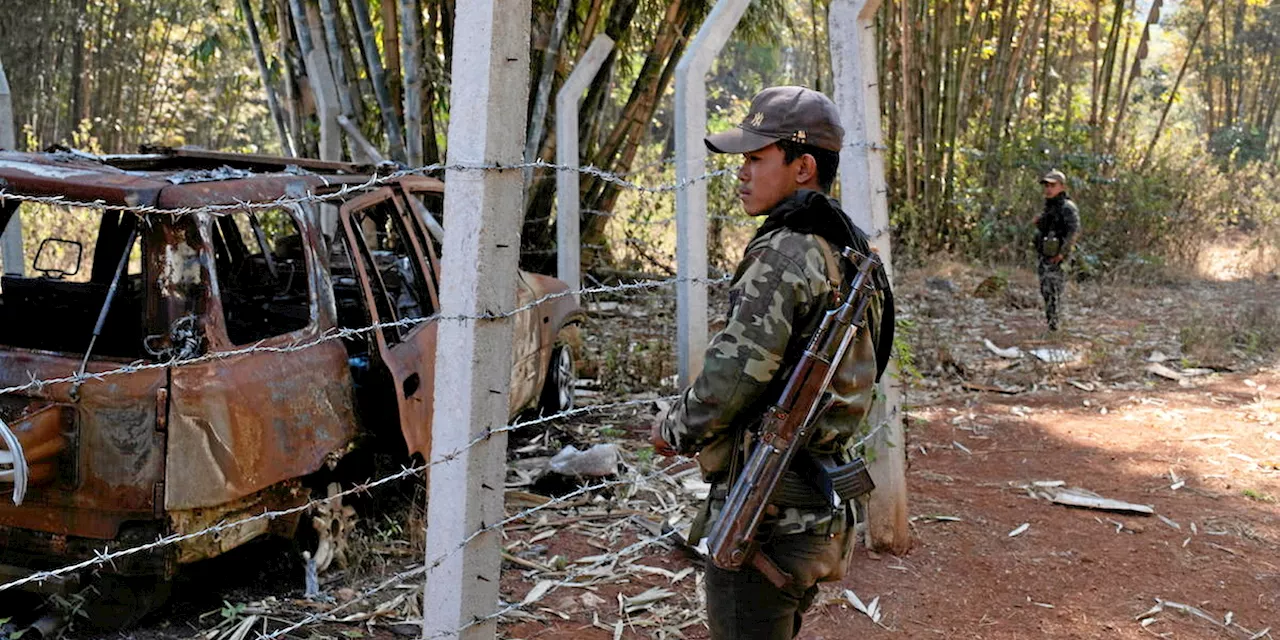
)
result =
(400, 296)
(426, 202)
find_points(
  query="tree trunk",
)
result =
(1173, 93)
(287, 144)
(391, 48)
(373, 62)
(1141, 54)
(329, 17)
(542, 94)
(411, 41)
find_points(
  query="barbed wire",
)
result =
(339, 333)
(104, 556)
(427, 567)
(568, 579)
(347, 190)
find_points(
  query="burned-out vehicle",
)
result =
(242, 382)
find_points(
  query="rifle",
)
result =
(787, 427)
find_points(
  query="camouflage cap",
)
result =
(1054, 176)
(783, 113)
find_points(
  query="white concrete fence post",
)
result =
(851, 25)
(11, 237)
(473, 362)
(691, 198)
(568, 205)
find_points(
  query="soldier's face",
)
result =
(1052, 189)
(765, 179)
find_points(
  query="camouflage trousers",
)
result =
(1052, 282)
(744, 605)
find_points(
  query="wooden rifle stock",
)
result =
(788, 425)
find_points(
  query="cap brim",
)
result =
(1043, 181)
(737, 140)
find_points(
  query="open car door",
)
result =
(388, 261)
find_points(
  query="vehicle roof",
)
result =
(175, 178)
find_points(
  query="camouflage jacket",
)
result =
(784, 284)
(1058, 227)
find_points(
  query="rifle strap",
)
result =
(780, 579)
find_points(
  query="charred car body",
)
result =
(244, 389)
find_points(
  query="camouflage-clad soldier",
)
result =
(1057, 230)
(788, 278)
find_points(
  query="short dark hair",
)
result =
(828, 161)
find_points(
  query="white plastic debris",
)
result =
(1056, 356)
(598, 461)
(1012, 353)
(1022, 528)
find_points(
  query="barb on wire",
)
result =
(110, 556)
(339, 333)
(347, 190)
(428, 567)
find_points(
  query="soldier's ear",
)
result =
(808, 169)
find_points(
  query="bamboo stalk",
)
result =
(411, 45)
(377, 76)
(273, 105)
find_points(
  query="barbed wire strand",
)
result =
(347, 190)
(104, 556)
(339, 333)
(428, 567)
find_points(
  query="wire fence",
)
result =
(107, 556)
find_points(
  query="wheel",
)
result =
(333, 523)
(558, 390)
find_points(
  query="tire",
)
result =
(558, 390)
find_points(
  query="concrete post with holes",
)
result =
(851, 26)
(481, 250)
(691, 197)
(568, 205)
(11, 237)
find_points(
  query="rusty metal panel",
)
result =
(76, 178)
(116, 451)
(241, 423)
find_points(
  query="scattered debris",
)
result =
(871, 610)
(941, 284)
(936, 518)
(599, 461)
(1077, 497)
(1020, 530)
(1083, 386)
(1056, 356)
(1012, 353)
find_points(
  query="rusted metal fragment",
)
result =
(41, 434)
(278, 497)
(113, 457)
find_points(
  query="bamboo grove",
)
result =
(1159, 112)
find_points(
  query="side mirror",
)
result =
(55, 256)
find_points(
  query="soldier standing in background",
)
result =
(1057, 230)
(789, 277)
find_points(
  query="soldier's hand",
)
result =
(660, 444)
(1056, 259)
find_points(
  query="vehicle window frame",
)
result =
(310, 265)
(353, 234)
(422, 234)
